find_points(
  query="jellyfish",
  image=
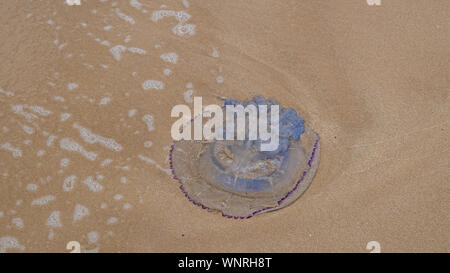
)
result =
(239, 179)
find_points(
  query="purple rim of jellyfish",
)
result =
(311, 159)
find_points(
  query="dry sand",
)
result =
(373, 81)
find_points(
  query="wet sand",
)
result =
(85, 100)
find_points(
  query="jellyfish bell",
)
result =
(238, 178)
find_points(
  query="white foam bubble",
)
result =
(80, 212)
(182, 29)
(148, 144)
(72, 86)
(125, 17)
(70, 145)
(117, 51)
(8, 242)
(148, 120)
(170, 57)
(188, 95)
(136, 50)
(152, 162)
(118, 197)
(106, 43)
(18, 222)
(18, 109)
(64, 162)
(93, 185)
(215, 53)
(135, 4)
(61, 46)
(111, 220)
(40, 110)
(6, 93)
(50, 140)
(106, 162)
(69, 183)
(131, 112)
(65, 116)
(43, 200)
(91, 138)
(104, 101)
(32, 187)
(181, 16)
(54, 220)
(16, 152)
(167, 71)
(160, 14)
(27, 129)
(93, 237)
(153, 84)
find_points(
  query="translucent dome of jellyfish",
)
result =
(237, 178)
